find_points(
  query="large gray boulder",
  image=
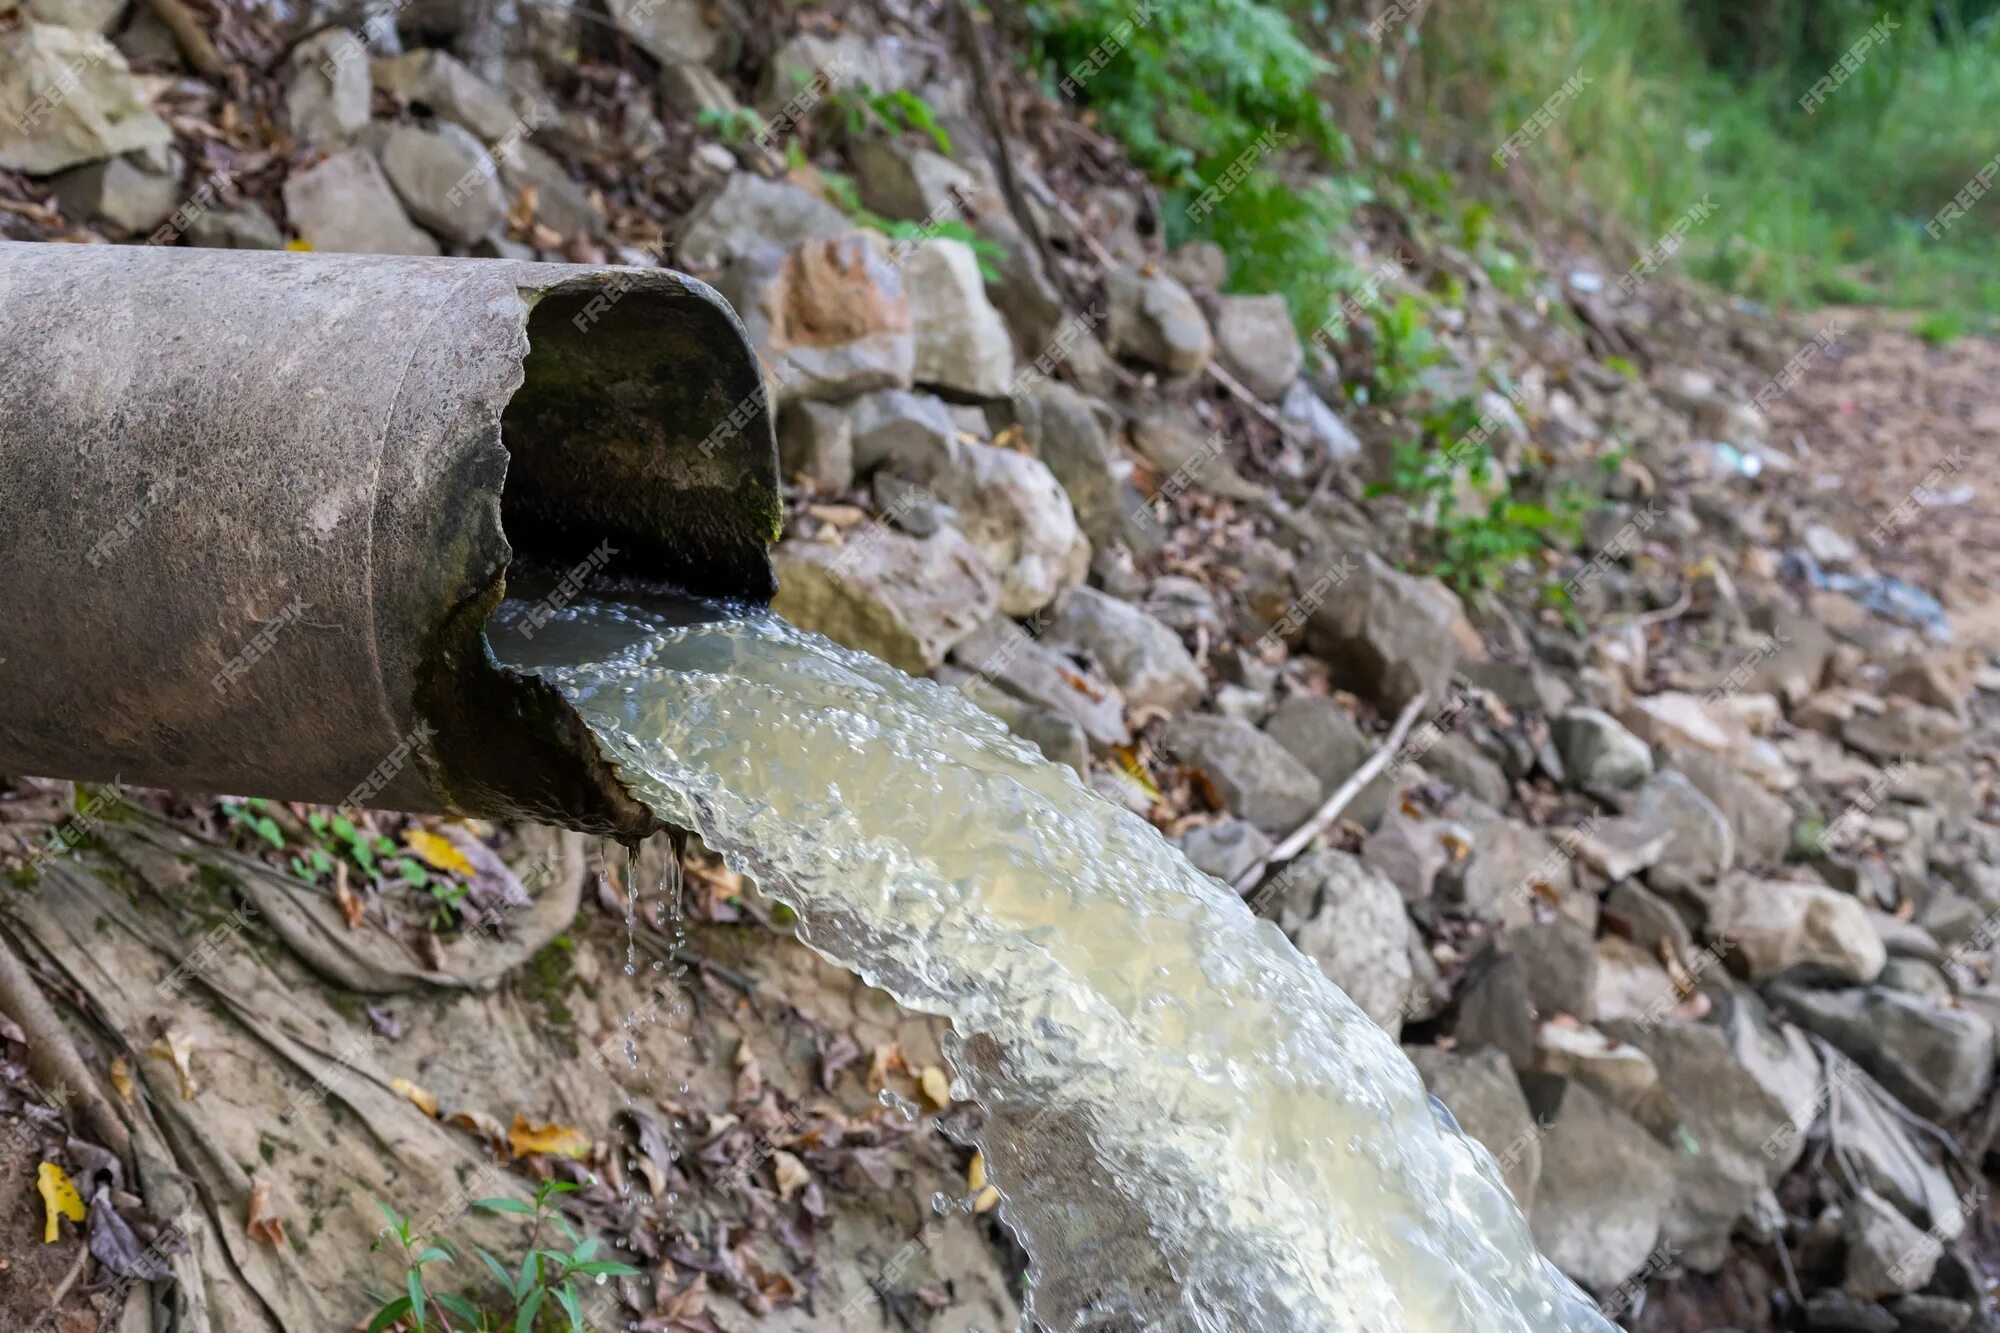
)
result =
(828, 317)
(134, 192)
(1144, 658)
(749, 215)
(1012, 508)
(1324, 737)
(328, 89)
(1388, 635)
(1355, 929)
(1604, 1192)
(1256, 342)
(66, 98)
(437, 80)
(1760, 820)
(446, 180)
(962, 344)
(1939, 1061)
(907, 601)
(1155, 321)
(1254, 775)
(345, 204)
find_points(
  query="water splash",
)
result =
(1192, 1128)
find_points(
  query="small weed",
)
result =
(847, 198)
(1941, 327)
(542, 1288)
(732, 125)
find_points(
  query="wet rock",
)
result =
(1064, 431)
(1226, 848)
(1604, 1191)
(1007, 655)
(962, 345)
(748, 216)
(560, 203)
(1760, 822)
(1700, 843)
(1903, 729)
(1142, 657)
(328, 88)
(670, 31)
(445, 180)
(1256, 342)
(135, 192)
(1938, 1061)
(907, 601)
(1321, 735)
(910, 433)
(913, 184)
(1776, 925)
(1305, 410)
(243, 226)
(436, 80)
(1256, 778)
(1388, 635)
(1482, 1094)
(66, 98)
(1013, 509)
(1356, 931)
(346, 205)
(1411, 852)
(829, 317)
(1153, 320)
(1597, 752)
(1887, 1254)
(816, 441)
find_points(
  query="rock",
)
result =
(1059, 738)
(670, 31)
(1560, 960)
(1004, 653)
(244, 226)
(1177, 443)
(1700, 843)
(1257, 778)
(1620, 1073)
(816, 441)
(913, 184)
(1199, 265)
(1915, 977)
(328, 90)
(84, 15)
(907, 601)
(1015, 512)
(1226, 848)
(346, 205)
(1046, 333)
(1887, 1154)
(816, 65)
(1483, 1095)
(1903, 730)
(560, 203)
(1931, 1314)
(1792, 661)
(1597, 752)
(134, 193)
(1837, 1312)
(1410, 852)
(1604, 1191)
(1523, 686)
(962, 345)
(750, 216)
(829, 318)
(1672, 718)
(1356, 931)
(1886, 1253)
(1388, 635)
(1510, 868)
(446, 180)
(1142, 657)
(66, 98)
(695, 92)
(436, 80)
(1630, 983)
(909, 433)
(1458, 760)
(1938, 1061)
(1064, 431)
(1739, 1088)
(1760, 822)
(1621, 847)
(1319, 733)
(1493, 1008)
(1153, 320)
(1300, 407)
(1776, 925)
(1935, 679)
(1649, 921)
(1256, 342)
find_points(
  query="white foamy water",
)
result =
(1192, 1128)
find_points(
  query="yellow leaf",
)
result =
(937, 1088)
(121, 1076)
(178, 1051)
(422, 1100)
(438, 851)
(557, 1140)
(59, 1199)
(300, 246)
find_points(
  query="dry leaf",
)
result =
(884, 1061)
(422, 1100)
(263, 1224)
(527, 1139)
(437, 852)
(121, 1076)
(344, 897)
(59, 1199)
(481, 1124)
(791, 1173)
(178, 1051)
(937, 1088)
(984, 1195)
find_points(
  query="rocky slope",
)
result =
(1680, 882)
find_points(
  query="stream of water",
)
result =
(1192, 1128)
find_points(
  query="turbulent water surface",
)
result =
(1193, 1129)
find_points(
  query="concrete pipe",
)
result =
(256, 508)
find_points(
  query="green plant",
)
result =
(847, 198)
(896, 111)
(1941, 327)
(328, 840)
(1404, 347)
(732, 125)
(541, 1288)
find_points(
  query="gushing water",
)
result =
(1192, 1128)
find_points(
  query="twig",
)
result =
(1241, 393)
(53, 1059)
(1322, 818)
(995, 116)
(53, 1315)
